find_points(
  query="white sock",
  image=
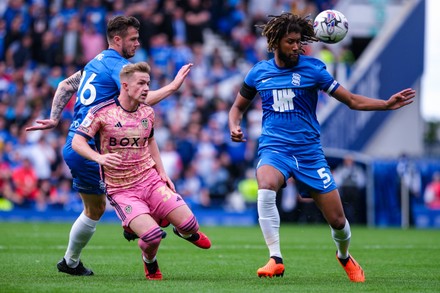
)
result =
(269, 220)
(147, 260)
(342, 240)
(80, 233)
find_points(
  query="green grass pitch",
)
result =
(394, 260)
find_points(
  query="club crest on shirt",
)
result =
(296, 79)
(128, 209)
(144, 123)
(87, 121)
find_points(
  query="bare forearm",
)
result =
(63, 94)
(80, 145)
(156, 96)
(367, 104)
(155, 155)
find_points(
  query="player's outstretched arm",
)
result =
(156, 96)
(63, 94)
(359, 102)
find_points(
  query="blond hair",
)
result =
(128, 70)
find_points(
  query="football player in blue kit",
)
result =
(289, 145)
(97, 82)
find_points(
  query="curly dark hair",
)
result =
(280, 25)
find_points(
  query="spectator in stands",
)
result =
(71, 199)
(39, 24)
(48, 192)
(3, 33)
(68, 11)
(13, 38)
(92, 42)
(193, 188)
(346, 59)
(205, 155)
(328, 57)
(304, 7)
(351, 179)
(71, 43)
(94, 15)
(218, 180)
(49, 53)
(4, 132)
(409, 186)
(200, 72)
(42, 155)
(161, 57)
(6, 191)
(182, 54)
(21, 54)
(218, 70)
(196, 17)
(20, 112)
(171, 160)
(432, 192)
(187, 142)
(25, 186)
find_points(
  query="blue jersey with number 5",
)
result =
(99, 83)
(290, 139)
(289, 99)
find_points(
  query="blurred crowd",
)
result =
(44, 41)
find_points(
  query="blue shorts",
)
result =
(312, 174)
(85, 173)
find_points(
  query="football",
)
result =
(330, 26)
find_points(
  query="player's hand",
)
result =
(167, 179)
(171, 184)
(400, 99)
(43, 125)
(237, 135)
(181, 75)
(111, 160)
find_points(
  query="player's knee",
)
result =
(338, 223)
(190, 226)
(95, 211)
(150, 240)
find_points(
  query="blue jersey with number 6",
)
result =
(99, 83)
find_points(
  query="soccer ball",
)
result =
(330, 26)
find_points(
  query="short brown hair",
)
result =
(118, 26)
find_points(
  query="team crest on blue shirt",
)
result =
(296, 79)
(145, 123)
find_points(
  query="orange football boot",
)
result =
(271, 269)
(354, 271)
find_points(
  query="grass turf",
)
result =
(394, 260)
